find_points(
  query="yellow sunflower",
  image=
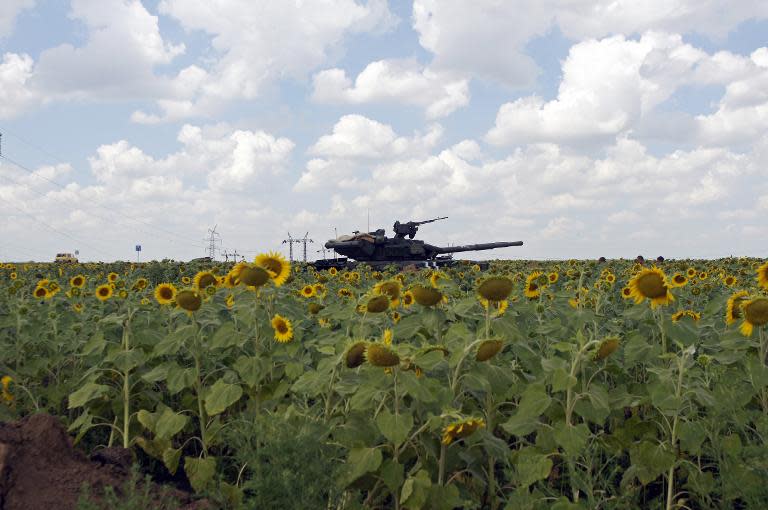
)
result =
(695, 316)
(205, 279)
(104, 292)
(333, 271)
(651, 284)
(408, 299)
(112, 277)
(186, 280)
(532, 285)
(389, 288)
(495, 288)
(730, 280)
(733, 310)
(461, 429)
(344, 292)
(762, 276)
(275, 263)
(13, 275)
(679, 280)
(283, 329)
(140, 284)
(308, 291)
(189, 300)
(553, 277)
(77, 281)
(691, 272)
(165, 293)
(755, 314)
(42, 293)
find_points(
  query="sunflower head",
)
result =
(408, 298)
(165, 293)
(390, 288)
(762, 276)
(495, 288)
(461, 429)
(534, 283)
(307, 291)
(488, 349)
(426, 296)
(77, 281)
(733, 308)
(377, 304)
(355, 355)
(251, 276)
(607, 347)
(553, 277)
(112, 277)
(283, 329)
(679, 280)
(314, 308)
(755, 314)
(189, 300)
(651, 284)
(379, 355)
(104, 292)
(42, 293)
(205, 279)
(279, 269)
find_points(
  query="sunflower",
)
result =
(377, 304)
(703, 275)
(251, 276)
(691, 272)
(144, 301)
(762, 276)
(475, 268)
(189, 299)
(355, 355)
(186, 280)
(307, 291)
(408, 298)
(165, 293)
(532, 287)
(204, 279)
(230, 301)
(733, 310)
(104, 292)
(395, 317)
(607, 347)
(679, 280)
(13, 275)
(283, 329)
(275, 263)
(319, 289)
(730, 280)
(461, 429)
(122, 294)
(610, 278)
(426, 296)
(553, 277)
(436, 276)
(686, 313)
(344, 292)
(391, 289)
(333, 271)
(386, 338)
(755, 314)
(112, 277)
(77, 281)
(42, 293)
(496, 288)
(140, 284)
(380, 355)
(651, 284)
(488, 349)
(499, 307)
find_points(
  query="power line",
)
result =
(112, 211)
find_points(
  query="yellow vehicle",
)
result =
(66, 258)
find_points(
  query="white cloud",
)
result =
(488, 38)
(9, 9)
(397, 82)
(15, 93)
(118, 58)
(256, 46)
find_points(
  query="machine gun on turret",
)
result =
(410, 228)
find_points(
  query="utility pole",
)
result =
(322, 249)
(213, 239)
(1, 145)
(226, 255)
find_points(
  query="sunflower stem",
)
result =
(673, 439)
(489, 417)
(441, 464)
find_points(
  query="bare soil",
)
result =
(40, 469)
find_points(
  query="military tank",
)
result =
(378, 250)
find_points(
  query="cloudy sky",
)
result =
(582, 127)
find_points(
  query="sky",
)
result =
(583, 128)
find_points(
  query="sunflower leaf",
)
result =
(394, 427)
(220, 396)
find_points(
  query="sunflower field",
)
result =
(531, 385)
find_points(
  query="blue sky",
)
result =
(584, 128)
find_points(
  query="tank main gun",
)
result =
(410, 228)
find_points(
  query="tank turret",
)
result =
(376, 249)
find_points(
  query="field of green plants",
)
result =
(531, 385)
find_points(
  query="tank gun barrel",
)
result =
(428, 221)
(473, 247)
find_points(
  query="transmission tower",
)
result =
(304, 241)
(290, 242)
(213, 239)
(322, 249)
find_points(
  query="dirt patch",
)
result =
(39, 468)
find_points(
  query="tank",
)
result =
(377, 250)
